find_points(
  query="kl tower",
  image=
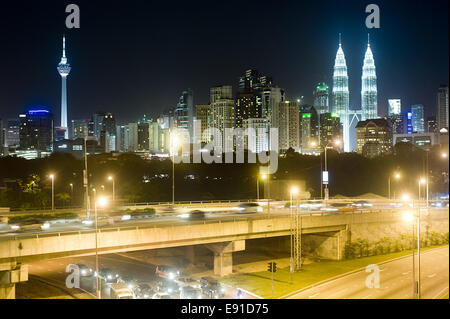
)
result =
(64, 70)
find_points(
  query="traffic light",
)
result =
(272, 267)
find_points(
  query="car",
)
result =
(212, 288)
(362, 204)
(193, 215)
(167, 210)
(249, 208)
(108, 275)
(311, 205)
(130, 281)
(143, 291)
(161, 295)
(186, 281)
(188, 292)
(85, 271)
(168, 272)
(121, 291)
(168, 286)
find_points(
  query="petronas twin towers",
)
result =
(369, 106)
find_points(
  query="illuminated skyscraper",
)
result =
(64, 70)
(321, 98)
(341, 94)
(418, 118)
(369, 103)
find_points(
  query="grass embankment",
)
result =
(259, 283)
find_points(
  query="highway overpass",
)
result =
(223, 235)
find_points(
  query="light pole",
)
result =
(52, 177)
(336, 143)
(396, 176)
(85, 181)
(421, 181)
(110, 178)
(71, 194)
(101, 202)
(174, 142)
(409, 217)
(294, 232)
(263, 177)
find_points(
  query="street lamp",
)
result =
(102, 202)
(396, 176)
(444, 155)
(174, 141)
(110, 178)
(263, 177)
(409, 218)
(52, 177)
(294, 233)
(71, 194)
(336, 143)
(421, 182)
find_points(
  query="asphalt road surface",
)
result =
(395, 280)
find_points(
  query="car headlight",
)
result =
(126, 217)
(83, 272)
(169, 290)
(184, 215)
(145, 296)
(222, 289)
(109, 277)
(15, 227)
(171, 275)
(45, 225)
(87, 222)
(259, 209)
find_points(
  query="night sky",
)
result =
(135, 57)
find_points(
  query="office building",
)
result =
(286, 119)
(442, 107)
(373, 138)
(321, 103)
(36, 130)
(330, 130)
(432, 124)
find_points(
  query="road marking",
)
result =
(315, 295)
(337, 292)
(405, 273)
(439, 295)
(432, 275)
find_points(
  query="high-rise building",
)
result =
(154, 138)
(12, 134)
(2, 138)
(432, 124)
(309, 122)
(123, 138)
(321, 98)
(184, 112)
(64, 70)
(259, 142)
(79, 129)
(222, 118)
(248, 105)
(133, 144)
(369, 103)
(408, 121)
(143, 134)
(270, 98)
(341, 94)
(203, 114)
(253, 81)
(442, 107)
(286, 119)
(36, 130)
(220, 93)
(418, 118)
(395, 107)
(330, 130)
(97, 124)
(374, 138)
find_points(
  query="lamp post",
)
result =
(174, 142)
(102, 203)
(111, 178)
(396, 176)
(263, 177)
(294, 232)
(71, 194)
(52, 177)
(409, 217)
(336, 143)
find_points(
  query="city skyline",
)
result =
(143, 101)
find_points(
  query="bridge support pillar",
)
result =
(223, 256)
(10, 274)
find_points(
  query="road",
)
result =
(395, 280)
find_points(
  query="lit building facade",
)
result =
(330, 130)
(418, 118)
(36, 130)
(373, 138)
(369, 103)
(286, 119)
(321, 103)
(442, 107)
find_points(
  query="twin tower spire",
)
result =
(368, 84)
(369, 104)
